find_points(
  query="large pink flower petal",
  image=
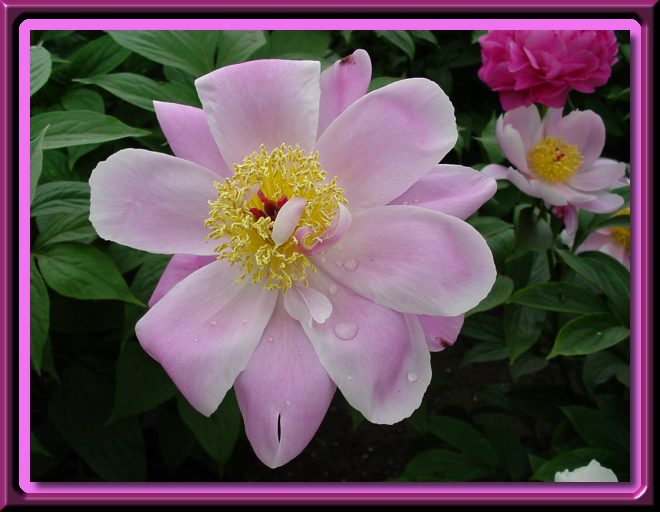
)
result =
(412, 260)
(268, 102)
(441, 331)
(284, 392)
(152, 202)
(603, 174)
(584, 129)
(387, 140)
(188, 135)
(452, 189)
(179, 267)
(204, 331)
(603, 202)
(377, 357)
(342, 84)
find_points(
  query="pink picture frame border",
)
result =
(16, 488)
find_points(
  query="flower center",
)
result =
(622, 235)
(552, 159)
(245, 213)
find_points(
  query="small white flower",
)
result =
(594, 472)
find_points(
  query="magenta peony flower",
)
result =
(557, 158)
(317, 242)
(614, 241)
(542, 66)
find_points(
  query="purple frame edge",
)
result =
(431, 492)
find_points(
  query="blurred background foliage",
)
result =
(537, 382)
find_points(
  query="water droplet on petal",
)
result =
(288, 402)
(412, 376)
(415, 200)
(195, 340)
(333, 289)
(349, 377)
(346, 330)
(214, 323)
(244, 321)
(351, 264)
(270, 339)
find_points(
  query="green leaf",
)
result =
(236, 46)
(532, 233)
(476, 34)
(79, 408)
(77, 127)
(40, 68)
(218, 433)
(61, 197)
(294, 44)
(488, 141)
(399, 38)
(522, 328)
(382, 81)
(190, 50)
(464, 438)
(485, 352)
(141, 384)
(83, 99)
(36, 161)
(588, 334)
(599, 367)
(39, 316)
(65, 227)
(498, 295)
(175, 439)
(598, 429)
(527, 364)
(499, 235)
(135, 89)
(424, 35)
(483, 327)
(511, 455)
(561, 297)
(607, 274)
(82, 272)
(446, 465)
(97, 57)
(37, 447)
(572, 460)
(125, 258)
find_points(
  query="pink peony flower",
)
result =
(316, 243)
(557, 158)
(614, 241)
(542, 66)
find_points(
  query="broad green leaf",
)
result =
(39, 316)
(498, 295)
(532, 233)
(561, 297)
(598, 429)
(37, 447)
(488, 141)
(484, 352)
(61, 197)
(97, 57)
(40, 67)
(399, 38)
(36, 161)
(476, 34)
(382, 81)
(236, 46)
(55, 167)
(499, 235)
(464, 438)
(607, 274)
(511, 455)
(49, 35)
(294, 44)
(65, 227)
(522, 328)
(82, 272)
(218, 433)
(444, 465)
(483, 327)
(599, 367)
(79, 408)
(83, 99)
(190, 50)
(141, 384)
(572, 460)
(175, 440)
(527, 364)
(77, 127)
(125, 258)
(588, 334)
(424, 35)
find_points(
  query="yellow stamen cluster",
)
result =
(621, 235)
(553, 160)
(285, 172)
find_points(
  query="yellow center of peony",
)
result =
(552, 159)
(243, 216)
(622, 235)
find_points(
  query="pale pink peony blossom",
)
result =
(543, 66)
(326, 178)
(558, 159)
(592, 472)
(612, 240)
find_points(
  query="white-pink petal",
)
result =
(603, 174)
(584, 129)
(152, 202)
(284, 392)
(307, 305)
(377, 357)
(413, 260)
(204, 331)
(268, 102)
(343, 83)
(441, 331)
(452, 189)
(189, 136)
(287, 219)
(387, 140)
(178, 268)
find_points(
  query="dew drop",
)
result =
(288, 402)
(214, 323)
(415, 200)
(351, 264)
(333, 289)
(349, 377)
(195, 340)
(346, 330)
(412, 376)
(244, 321)
(270, 339)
